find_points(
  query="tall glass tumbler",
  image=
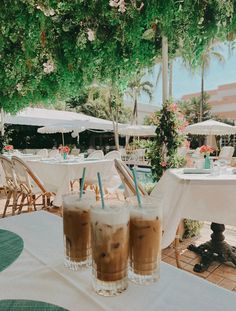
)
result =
(145, 242)
(110, 245)
(77, 231)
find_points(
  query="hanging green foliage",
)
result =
(51, 50)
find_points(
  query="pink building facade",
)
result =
(222, 100)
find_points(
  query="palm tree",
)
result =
(112, 104)
(205, 63)
(135, 88)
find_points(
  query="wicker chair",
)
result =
(11, 187)
(97, 154)
(31, 187)
(127, 179)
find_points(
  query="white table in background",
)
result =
(195, 196)
(39, 274)
(57, 174)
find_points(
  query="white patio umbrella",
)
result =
(137, 130)
(73, 126)
(211, 127)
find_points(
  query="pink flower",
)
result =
(163, 163)
(172, 107)
(64, 149)
(205, 149)
(8, 147)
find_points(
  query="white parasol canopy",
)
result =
(211, 127)
(137, 130)
(61, 128)
(48, 117)
(75, 127)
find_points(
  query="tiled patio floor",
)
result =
(220, 274)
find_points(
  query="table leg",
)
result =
(214, 250)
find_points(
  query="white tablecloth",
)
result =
(56, 175)
(39, 274)
(195, 196)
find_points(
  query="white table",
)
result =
(39, 274)
(57, 174)
(195, 196)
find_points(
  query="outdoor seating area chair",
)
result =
(43, 153)
(226, 153)
(30, 186)
(113, 155)
(127, 179)
(97, 154)
(11, 188)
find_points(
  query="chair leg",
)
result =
(34, 201)
(176, 245)
(22, 202)
(9, 194)
(30, 203)
(14, 204)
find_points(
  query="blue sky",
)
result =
(185, 82)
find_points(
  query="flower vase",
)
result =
(64, 155)
(207, 162)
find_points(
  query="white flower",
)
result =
(46, 11)
(122, 7)
(114, 3)
(120, 4)
(91, 34)
(19, 87)
(48, 66)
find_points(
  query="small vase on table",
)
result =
(64, 155)
(207, 162)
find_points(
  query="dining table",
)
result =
(202, 195)
(38, 276)
(57, 173)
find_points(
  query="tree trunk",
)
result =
(202, 94)
(2, 122)
(135, 110)
(116, 134)
(164, 69)
(170, 79)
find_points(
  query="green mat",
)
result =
(27, 305)
(11, 246)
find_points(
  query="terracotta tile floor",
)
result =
(220, 274)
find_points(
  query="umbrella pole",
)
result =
(63, 140)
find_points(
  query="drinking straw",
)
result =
(100, 189)
(136, 188)
(82, 183)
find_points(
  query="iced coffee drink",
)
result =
(77, 231)
(145, 244)
(110, 233)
